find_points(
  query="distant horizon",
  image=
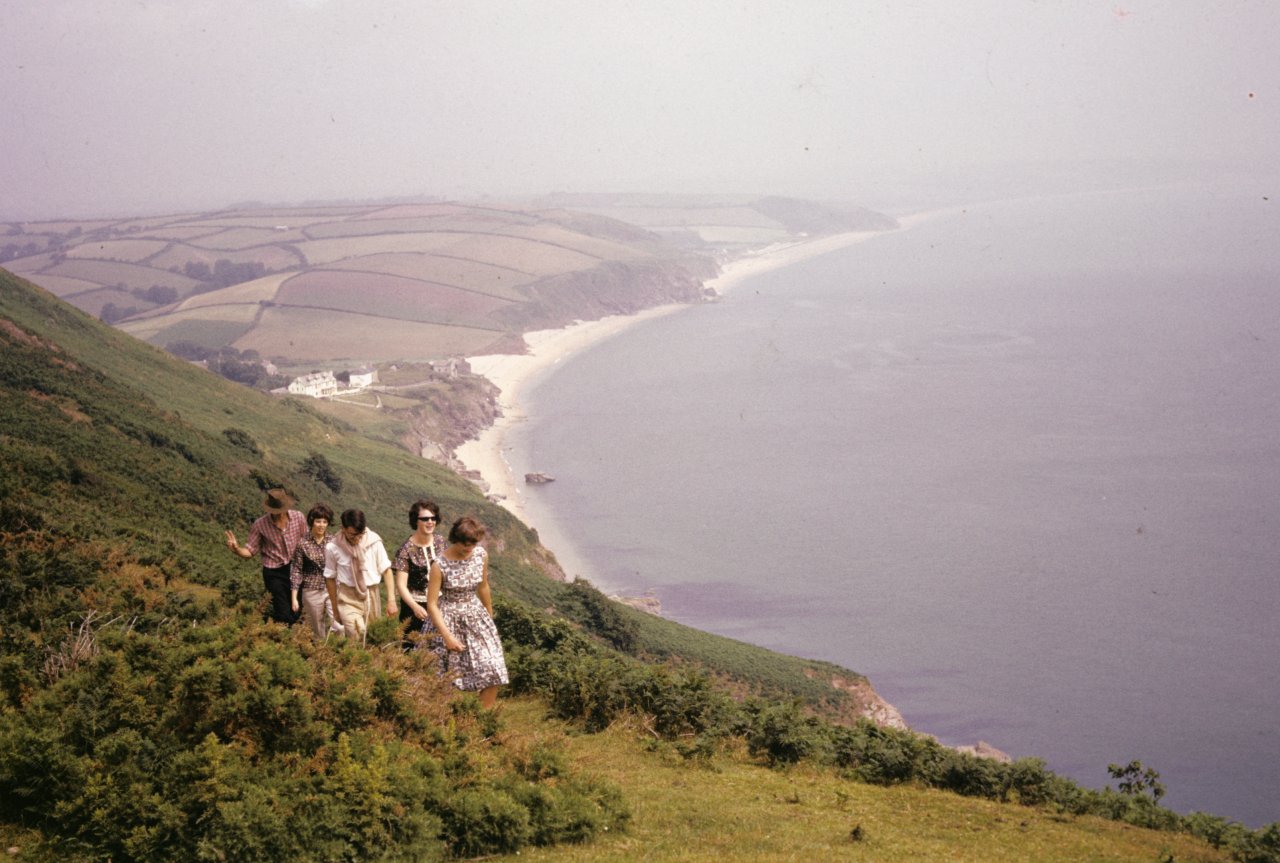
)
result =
(1029, 180)
(117, 106)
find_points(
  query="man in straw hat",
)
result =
(275, 535)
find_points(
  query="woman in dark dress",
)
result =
(413, 567)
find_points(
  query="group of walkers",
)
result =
(438, 587)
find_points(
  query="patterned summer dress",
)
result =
(482, 664)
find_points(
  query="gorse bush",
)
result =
(250, 742)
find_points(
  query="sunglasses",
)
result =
(428, 518)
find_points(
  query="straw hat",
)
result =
(277, 500)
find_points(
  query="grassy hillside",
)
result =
(731, 809)
(147, 713)
(382, 282)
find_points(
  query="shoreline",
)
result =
(512, 374)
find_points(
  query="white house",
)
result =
(317, 385)
(361, 378)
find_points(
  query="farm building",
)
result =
(451, 367)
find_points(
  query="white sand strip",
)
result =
(512, 373)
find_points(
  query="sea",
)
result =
(1018, 464)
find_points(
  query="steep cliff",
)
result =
(611, 288)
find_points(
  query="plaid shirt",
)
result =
(307, 569)
(276, 545)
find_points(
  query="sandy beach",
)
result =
(514, 373)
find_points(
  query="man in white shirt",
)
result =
(354, 563)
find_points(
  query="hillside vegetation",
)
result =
(147, 713)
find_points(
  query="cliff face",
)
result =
(810, 217)
(612, 288)
(450, 413)
(866, 703)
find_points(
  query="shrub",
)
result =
(242, 439)
(599, 615)
(484, 821)
(784, 734)
(318, 468)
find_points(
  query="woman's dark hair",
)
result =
(466, 530)
(354, 518)
(418, 506)
(319, 511)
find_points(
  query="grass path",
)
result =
(735, 810)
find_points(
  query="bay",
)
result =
(1018, 465)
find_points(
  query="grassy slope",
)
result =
(115, 446)
(733, 809)
(380, 478)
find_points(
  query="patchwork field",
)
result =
(162, 329)
(132, 251)
(390, 297)
(65, 287)
(280, 257)
(409, 280)
(247, 293)
(490, 279)
(318, 336)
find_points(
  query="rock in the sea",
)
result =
(648, 603)
(538, 478)
(983, 749)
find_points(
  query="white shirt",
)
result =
(373, 554)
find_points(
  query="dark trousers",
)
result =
(276, 581)
(409, 624)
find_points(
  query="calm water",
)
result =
(1019, 465)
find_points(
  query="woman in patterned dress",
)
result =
(461, 607)
(413, 568)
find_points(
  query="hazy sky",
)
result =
(122, 106)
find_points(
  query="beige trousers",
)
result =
(315, 611)
(356, 611)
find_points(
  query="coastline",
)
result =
(512, 374)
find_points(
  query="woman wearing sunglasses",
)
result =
(413, 567)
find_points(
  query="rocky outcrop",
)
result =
(866, 703)
(452, 411)
(983, 749)
(649, 603)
